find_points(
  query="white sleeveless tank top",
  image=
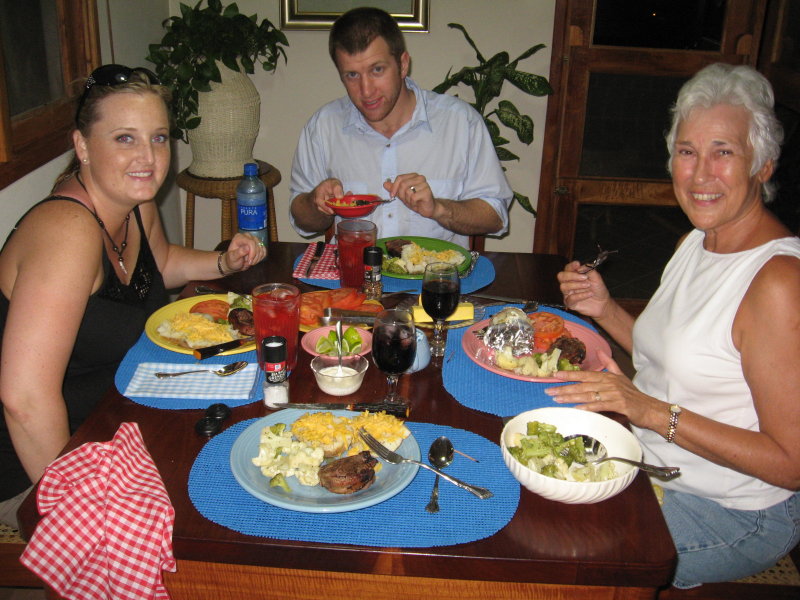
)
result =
(684, 354)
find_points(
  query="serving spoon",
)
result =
(228, 369)
(596, 453)
(440, 455)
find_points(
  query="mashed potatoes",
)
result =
(416, 258)
(193, 330)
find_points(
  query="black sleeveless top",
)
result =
(112, 322)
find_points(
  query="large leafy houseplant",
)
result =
(486, 80)
(186, 58)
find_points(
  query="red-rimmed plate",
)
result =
(483, 356)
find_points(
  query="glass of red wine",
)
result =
(394, 345)
(441, 290)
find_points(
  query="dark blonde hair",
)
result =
(88, 112)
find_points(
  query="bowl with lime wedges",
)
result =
(322, 341)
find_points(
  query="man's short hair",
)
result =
(357, 28)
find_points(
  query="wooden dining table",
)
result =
(619, 548)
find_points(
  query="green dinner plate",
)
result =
(428, 244)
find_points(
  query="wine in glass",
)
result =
(441, 290)
(394, 345)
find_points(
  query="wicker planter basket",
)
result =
(230, 114)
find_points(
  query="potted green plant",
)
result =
(204, 51)
(486, 80)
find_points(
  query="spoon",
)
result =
(228, 369)
(339, 371)
(596, 453)
(440, 455)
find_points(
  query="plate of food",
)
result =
(323, 341)
(313, 305)
(558, 345)
(202, 321)
(354, 205)
(405, 257)
(300, 477)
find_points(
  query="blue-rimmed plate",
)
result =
(389, 481)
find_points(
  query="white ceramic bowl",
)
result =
(616, 438)
(325, 371)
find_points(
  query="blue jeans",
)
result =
(721, 544)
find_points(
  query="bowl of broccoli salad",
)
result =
(537, 453)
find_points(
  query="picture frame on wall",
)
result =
(411, 15)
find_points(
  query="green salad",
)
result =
(544, 450)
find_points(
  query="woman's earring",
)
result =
(85, 160)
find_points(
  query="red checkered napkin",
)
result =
(106, 529)
(324, 269)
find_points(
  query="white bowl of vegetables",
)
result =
(565, 479)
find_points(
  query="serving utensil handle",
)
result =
(477, 490)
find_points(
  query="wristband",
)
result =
(219, 263)
(674, 413)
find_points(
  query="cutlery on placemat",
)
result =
(209, 351)
(320, 248)
(531, 304)
(397, 409)
(331, 315)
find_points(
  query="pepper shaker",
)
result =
(373, 286)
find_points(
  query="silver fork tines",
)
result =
(396, 459)
(602, 256)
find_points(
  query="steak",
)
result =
(395, 247)
(571, 348)
(241, 320)
(348, 475)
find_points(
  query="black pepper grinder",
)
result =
(276, 388)
(373, 287)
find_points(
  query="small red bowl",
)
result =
(346, 206)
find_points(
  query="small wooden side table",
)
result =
(225, 190)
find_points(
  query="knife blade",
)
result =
(320, 248)
(397, 409)
(331, 315)
(513, 300)
(209, 351)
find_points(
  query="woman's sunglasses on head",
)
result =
(110, 76)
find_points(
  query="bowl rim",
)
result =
(345, 359)
(566, 410)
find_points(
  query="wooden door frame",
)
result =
(560, 194)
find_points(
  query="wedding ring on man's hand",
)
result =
(597, 396)
(413, 189)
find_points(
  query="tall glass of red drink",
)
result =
(352, 236)
(276, 311)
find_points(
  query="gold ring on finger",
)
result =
(597, 396)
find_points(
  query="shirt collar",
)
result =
(419, 118)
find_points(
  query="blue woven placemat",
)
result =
(475, 387)
(481, 276)
(145, 351)
(400, 521)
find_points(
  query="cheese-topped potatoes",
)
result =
(194, 330)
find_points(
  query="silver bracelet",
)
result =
(219, 263)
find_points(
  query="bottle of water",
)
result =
(251, 204)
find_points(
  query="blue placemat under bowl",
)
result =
(145, 351)
(480, 389)
(400, 521)
(481, 276)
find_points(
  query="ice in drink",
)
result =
(276, 311)
(352, 236)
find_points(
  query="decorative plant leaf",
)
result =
(486, 81)
(186, 58)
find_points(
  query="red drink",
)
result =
(276, 311)
(352, 236)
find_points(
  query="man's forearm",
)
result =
(307, 216)
(467, 217)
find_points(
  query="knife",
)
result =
(315, 259)
(331, 315)
(397, 409)
(513, 300)
(209, 351)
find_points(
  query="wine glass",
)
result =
(441, 290)
(394, 345)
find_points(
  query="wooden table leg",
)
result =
(189, 229)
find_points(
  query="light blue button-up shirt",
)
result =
(445, 140)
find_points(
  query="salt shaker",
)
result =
(373, 287)
(276, 387)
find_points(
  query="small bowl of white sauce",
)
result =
(336, 382)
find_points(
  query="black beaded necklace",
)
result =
(117, 250)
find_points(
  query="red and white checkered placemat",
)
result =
(324, 269)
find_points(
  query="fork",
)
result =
(396, 459)
(602, 257)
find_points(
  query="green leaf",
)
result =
(529, 52)
(510, 117)
(536, 85)
(525, 203)
(504, 154)
(469, 40)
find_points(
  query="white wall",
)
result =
(297, 89)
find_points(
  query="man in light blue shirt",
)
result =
(431, 152)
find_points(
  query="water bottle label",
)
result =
(252, 218)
